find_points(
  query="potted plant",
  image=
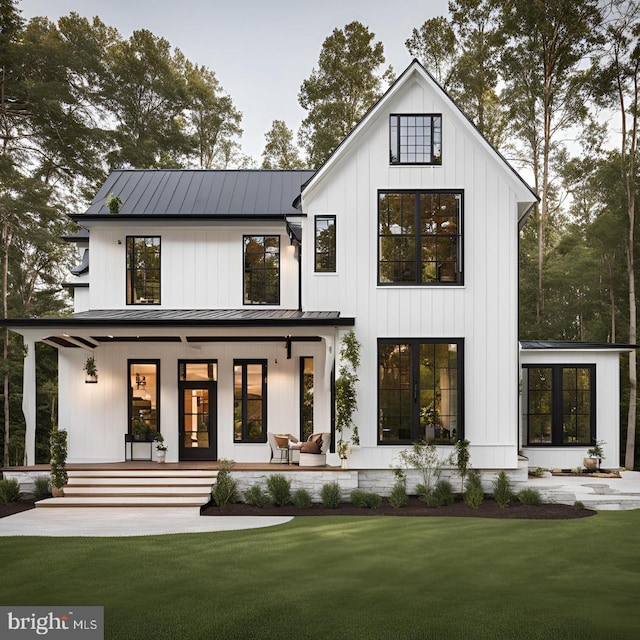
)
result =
(91, 369)
(58, 448)
(596, 456)
(113, 203)
(142, 430)
(161, 448)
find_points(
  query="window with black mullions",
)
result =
(325, 244)
(261, 269)
(415, 139)
(250, 400)
(420, 239)
(143, 269)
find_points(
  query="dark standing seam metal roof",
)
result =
(189, 192)
(554, 344)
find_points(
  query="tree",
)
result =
(212, 119)
(434, 44)
(340, 91)
(546, 88)
(618, 85)
(279, 151)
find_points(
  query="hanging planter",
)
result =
(91, 371)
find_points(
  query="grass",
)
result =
(347, 578)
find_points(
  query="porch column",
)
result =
(29, 401)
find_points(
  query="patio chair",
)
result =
(279, 443)
(307, 457)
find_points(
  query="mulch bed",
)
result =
(488, 509)
(15, 507)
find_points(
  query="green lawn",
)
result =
(352, 578)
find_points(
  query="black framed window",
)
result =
(325, 244)
(420, 390)
(261, 269)
(250, 400)
(306, 396)
(415, 139)
(560, 404)
(420, 237)
(143, 269)
(144, 396)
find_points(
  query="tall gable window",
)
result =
(261, 269)
(143, 270)
(560, 405)
(325, 245)
(415, 139)
(420, 239)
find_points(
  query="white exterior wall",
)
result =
(95, 415)
(201, 265)
(483, 311)
(607, 386)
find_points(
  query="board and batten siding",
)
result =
(483, 311)
(607, 383)
(201, 266)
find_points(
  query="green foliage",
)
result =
(364, 499)
(279, 151)
(302, 499)
(346, 395)
(41, 488)
(225, 489)
(502, 489)
(330, 495)
(256, 496)
(424, 457)
(398, 497)
(434, 44)
(341, 89)
(474, 493)
(279, 488)
(9, 491)
(462, 458)
(58, 443)
(578, 505)
(441, 495)
(530, 496)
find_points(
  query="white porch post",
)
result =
(29, 401)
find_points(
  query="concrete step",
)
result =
(123, 481)
(144, 473)
(134, 501)
(124, 491)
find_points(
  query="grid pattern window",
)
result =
(306, 397)
(250, 400)
(143, 270)
(144, 397)
(415, 139)
(420, 391)
(261, 269)
(419, 237)
(325, 244)
(560, 405)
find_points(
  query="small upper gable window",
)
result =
(415, 139)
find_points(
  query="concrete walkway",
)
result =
(603, 494)
(125, 521)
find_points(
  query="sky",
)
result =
(260, 50)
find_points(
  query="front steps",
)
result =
(135, 488)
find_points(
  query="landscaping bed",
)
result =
(15, 507)
(488, 509)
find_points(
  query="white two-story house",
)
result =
(214, 303)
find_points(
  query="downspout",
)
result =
(299, 252)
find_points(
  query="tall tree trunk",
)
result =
(7, 237)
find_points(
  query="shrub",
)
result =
(424, 457)
(302, 499)
(225, 489)
(330, 495)
(9, 491)
(474, 495)
(462, 457)
(256, 496)
(279, 489)
(502, 490)
(365, 500)
(41, 488)
(398, 497)
(578, 505)
(530, 496)
(58, 446)
(441, 495)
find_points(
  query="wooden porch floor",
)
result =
(173, 466)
